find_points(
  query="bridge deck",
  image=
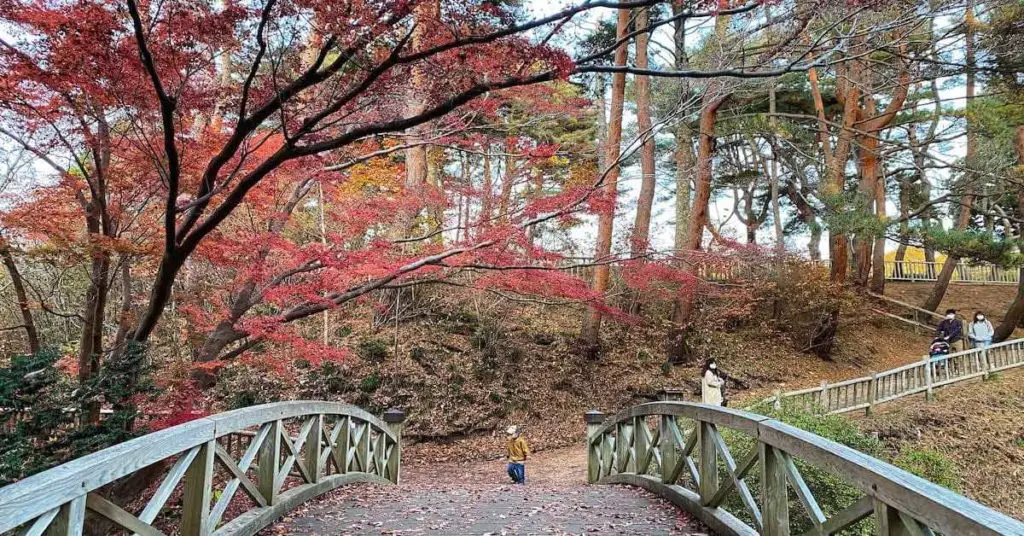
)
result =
(477, 499)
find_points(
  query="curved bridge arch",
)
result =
(279, 455)
(646, 446)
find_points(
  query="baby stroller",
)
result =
(940, 348)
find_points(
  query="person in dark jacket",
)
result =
(950, 329)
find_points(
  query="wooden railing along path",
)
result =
(677, 450)
(279, 455)
(921, 377)
(911, 271)
(977, 273)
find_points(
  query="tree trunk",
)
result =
(425, 14)
(684, 138)
(773, 176)
(645, 202)
(678, 349)
(592, 323)
(27, 320)
(868, 164)
(507, 180)
(1015, 314)
(878, 262)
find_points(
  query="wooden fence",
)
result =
(921, 377)
(976, 273)
(678, 450)
(279, 455)
(912, 271)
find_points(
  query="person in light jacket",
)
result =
(711, 384)
(980, 331)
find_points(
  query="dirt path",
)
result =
(477, 499)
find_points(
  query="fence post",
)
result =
(312, 448)
(667, 448)
(777, 402)
(268, 459)
(708, 468)
(872, 393)
(825, 400)
(593, 419)
(774, 495)
(394, 419)
(197, 491)
(929, 393)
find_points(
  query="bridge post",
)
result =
(312, 447)
(268, 459)
(774, 495)
(667, 447)
(593, 419)
(70, 520)
(872, 393)
(708, 468)
(395, 417)
(195, 508)
(888, 520)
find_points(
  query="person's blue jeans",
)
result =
(517, 472)
(982, 344)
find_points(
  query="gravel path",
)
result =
(477, 499)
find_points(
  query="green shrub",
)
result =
(49, 434)
(372, 350)
(370, 383)
(929, 465)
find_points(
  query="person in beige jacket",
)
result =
(711, 384)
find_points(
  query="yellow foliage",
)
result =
(913, 255)
(375, 175)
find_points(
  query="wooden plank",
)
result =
(31, 497)
(197, 491)
(70, 520)
(708, 468)
(39, 526)
(803, 492)
(268, 458)
(225, 459)
(774, 496)
(113, 512)
(938, 507)
(163, 492)
(859, 510)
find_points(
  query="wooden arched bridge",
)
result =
(238, 472)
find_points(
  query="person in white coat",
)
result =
(711, 384)
(980, 331)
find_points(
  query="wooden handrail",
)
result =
(333, 444)
(907, 305)
(922, 376)
(626, 449)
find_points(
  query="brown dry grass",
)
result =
(979, 425)
(993, 300)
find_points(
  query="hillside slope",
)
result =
(979, 425)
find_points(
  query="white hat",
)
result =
(511, 430)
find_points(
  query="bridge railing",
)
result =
(278, 455)
(921, 377)
(677, 449)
